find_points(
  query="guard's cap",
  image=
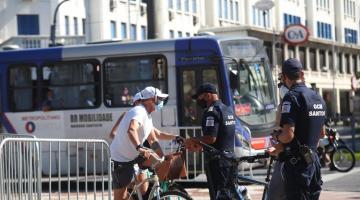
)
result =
(150, 92)
(205, 88)
(291, 66)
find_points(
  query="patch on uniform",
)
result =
(286, 107)
(209, 121)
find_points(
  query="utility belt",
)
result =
(304, 155)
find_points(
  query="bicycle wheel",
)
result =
(343, 159)
(173, 195)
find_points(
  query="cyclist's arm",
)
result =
(163, 135)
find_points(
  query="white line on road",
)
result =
(330, 177)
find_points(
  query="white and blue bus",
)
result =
(91, 85)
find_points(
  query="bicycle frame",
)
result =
(155, 190)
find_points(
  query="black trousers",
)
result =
(220, 175)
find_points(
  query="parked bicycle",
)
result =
(342, 158)
(233, 185)
(156, 192)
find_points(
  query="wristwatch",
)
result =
(138, 147)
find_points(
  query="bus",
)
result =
(90, 85)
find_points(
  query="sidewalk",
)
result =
(256, 194)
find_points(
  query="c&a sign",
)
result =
(296, 34)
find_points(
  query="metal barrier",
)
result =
(33, 168)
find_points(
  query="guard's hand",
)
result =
(193, 145)
(276, 149)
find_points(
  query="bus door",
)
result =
(190, 78)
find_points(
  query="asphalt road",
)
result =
(337, 186)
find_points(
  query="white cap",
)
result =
(136, 97)
(150, 92)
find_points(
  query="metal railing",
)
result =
(32, 168)
(36, 41)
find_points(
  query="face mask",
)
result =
(283, 90)
(201, 103)
(159, 105)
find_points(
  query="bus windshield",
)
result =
(251, 83)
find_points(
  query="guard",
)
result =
(302, 123)
(218, 126)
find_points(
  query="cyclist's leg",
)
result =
(140, 176)
(121, 177)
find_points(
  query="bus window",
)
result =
(252, 92)
(70, 85)
(124, 77)
(191, 79)
(22, 89)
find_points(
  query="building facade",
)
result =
(330, 57)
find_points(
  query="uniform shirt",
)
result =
(305, 109)
(219, 121)
(122, 149)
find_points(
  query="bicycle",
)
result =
(233, 185)
(156, 193)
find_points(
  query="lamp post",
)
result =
(264, 5)
(53, 26)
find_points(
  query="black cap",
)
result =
(291, 66)
(205, 88)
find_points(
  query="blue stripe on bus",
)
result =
(7, 124)
(31, 55)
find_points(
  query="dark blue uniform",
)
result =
(219, 121)
(305, 109)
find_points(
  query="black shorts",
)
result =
(122, 174)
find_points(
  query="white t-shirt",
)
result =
(121, 148)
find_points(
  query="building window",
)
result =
(339, 63)
(170, 4)
(179, 34)
(171, 34)
(350, 36)
(323, 5)
(312, 59)
(347, 64)
(113, 29)
(187, 34)
(76, 32)
(237, 11)
(322, 59)
(133, 32)
(194, 6)
(302, 56)
(258, 17)
(67, 25)
(226, 12)
(123, 30)
(143, 33)
(28, 24)
(231, 10)
(291, 19)
(349, 8)
(354, 61)
(324, 30)
(187, 5)
(220, 14)
(178, 5)
(83, 26)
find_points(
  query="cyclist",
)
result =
(133, 130)
(218, 127)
